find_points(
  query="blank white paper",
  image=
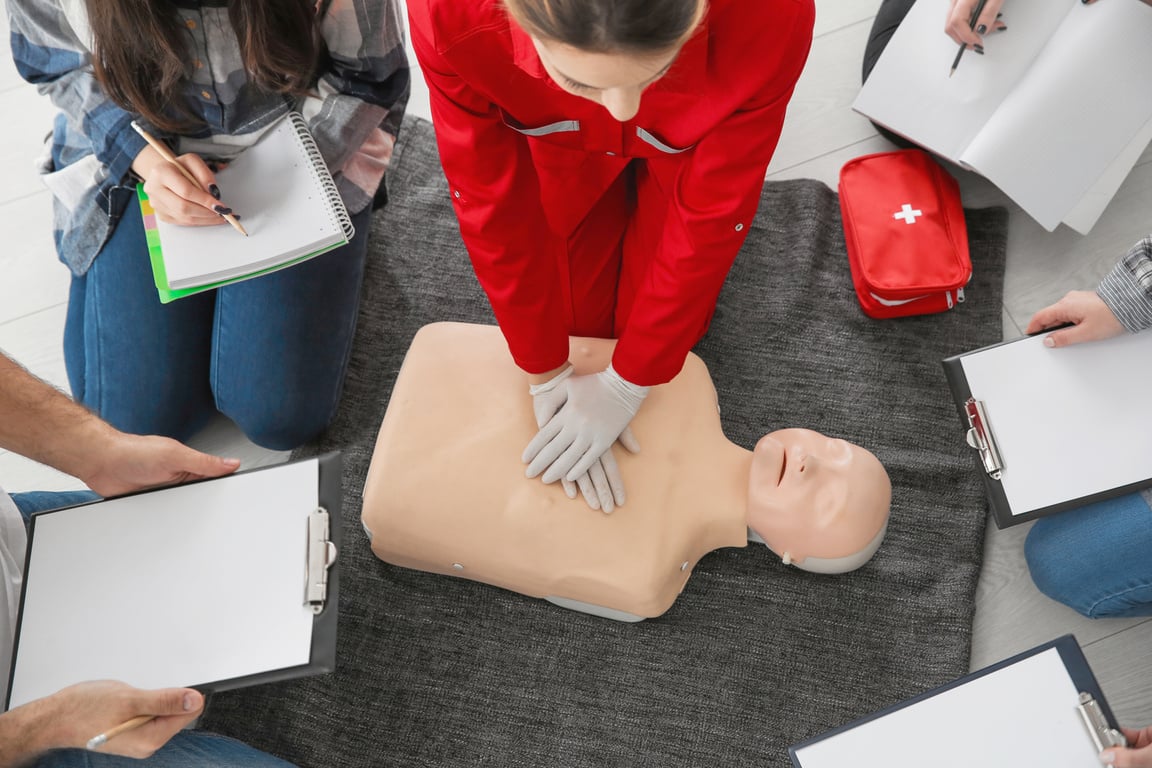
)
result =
(1052, 113)
(1022, 715)
(281, 201)
(1048, 144)
(910, 91)
(178, 587)
(1068, 422)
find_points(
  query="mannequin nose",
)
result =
(621, 103)
(804, 461)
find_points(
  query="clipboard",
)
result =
(1055, 429)
(1041, 707)
(216, 584)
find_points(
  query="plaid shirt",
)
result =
(1127, 289)
(354, 113)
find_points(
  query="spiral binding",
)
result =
(320, 170)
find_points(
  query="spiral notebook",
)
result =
(289, 205)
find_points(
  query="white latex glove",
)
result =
(598, 409)
(601, 486)
(549, 397)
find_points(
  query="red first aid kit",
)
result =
(905, 232)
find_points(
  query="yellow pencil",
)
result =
(98, 741)
(166, 153)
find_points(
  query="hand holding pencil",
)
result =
(968, 22)
(103, 715)
(182, 190)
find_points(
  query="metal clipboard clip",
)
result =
(980, 437)
(321, 556)
(1102, 734)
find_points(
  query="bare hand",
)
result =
(175, 199)
(960, 14)
(132, 462)
(1092, 320)
(80, 712)
(1138, 754)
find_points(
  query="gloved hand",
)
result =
(601, 486)
(598, 409)
(549, 397)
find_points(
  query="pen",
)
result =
(166, 153)
(98, 741)
(971, 25)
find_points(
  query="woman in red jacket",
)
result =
(605, 159)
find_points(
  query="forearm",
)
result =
(25, 732)
(44, 424)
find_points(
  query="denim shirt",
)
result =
(354, 111)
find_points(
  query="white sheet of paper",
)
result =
(1051, 113)
(1022, 715)
(910, 91)
(1072, 114)
(183, 586)
(1068, 422)
(273, 186)
(1091, 207)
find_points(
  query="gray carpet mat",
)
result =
(754, 656)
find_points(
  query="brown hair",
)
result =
(141, 52)
(610, 26)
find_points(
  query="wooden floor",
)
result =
(821, 133)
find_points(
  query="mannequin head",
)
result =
(821, 503)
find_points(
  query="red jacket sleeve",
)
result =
(496, 195)
(715, 193)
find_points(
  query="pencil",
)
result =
(166, 153)
(971, 25)
(98, 741)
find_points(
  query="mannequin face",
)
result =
(614, 80)
(815, 496)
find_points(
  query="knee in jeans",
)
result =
(1053, 572)
(1063, 573)
(279, 430)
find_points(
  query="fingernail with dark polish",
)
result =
(979, 49)
(214, 191)
(1003, 28)
(983, 28)
(214, 168)
(222, 210)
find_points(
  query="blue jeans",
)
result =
(187, 749)
(38, 501)
(1096, 559)
(270, 353)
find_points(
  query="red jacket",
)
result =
(525, 162)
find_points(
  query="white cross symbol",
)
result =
(908, 213)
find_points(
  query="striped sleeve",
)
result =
(361, 94)
(1127, 289)
(49, 53)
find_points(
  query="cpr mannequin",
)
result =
(446, 490)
